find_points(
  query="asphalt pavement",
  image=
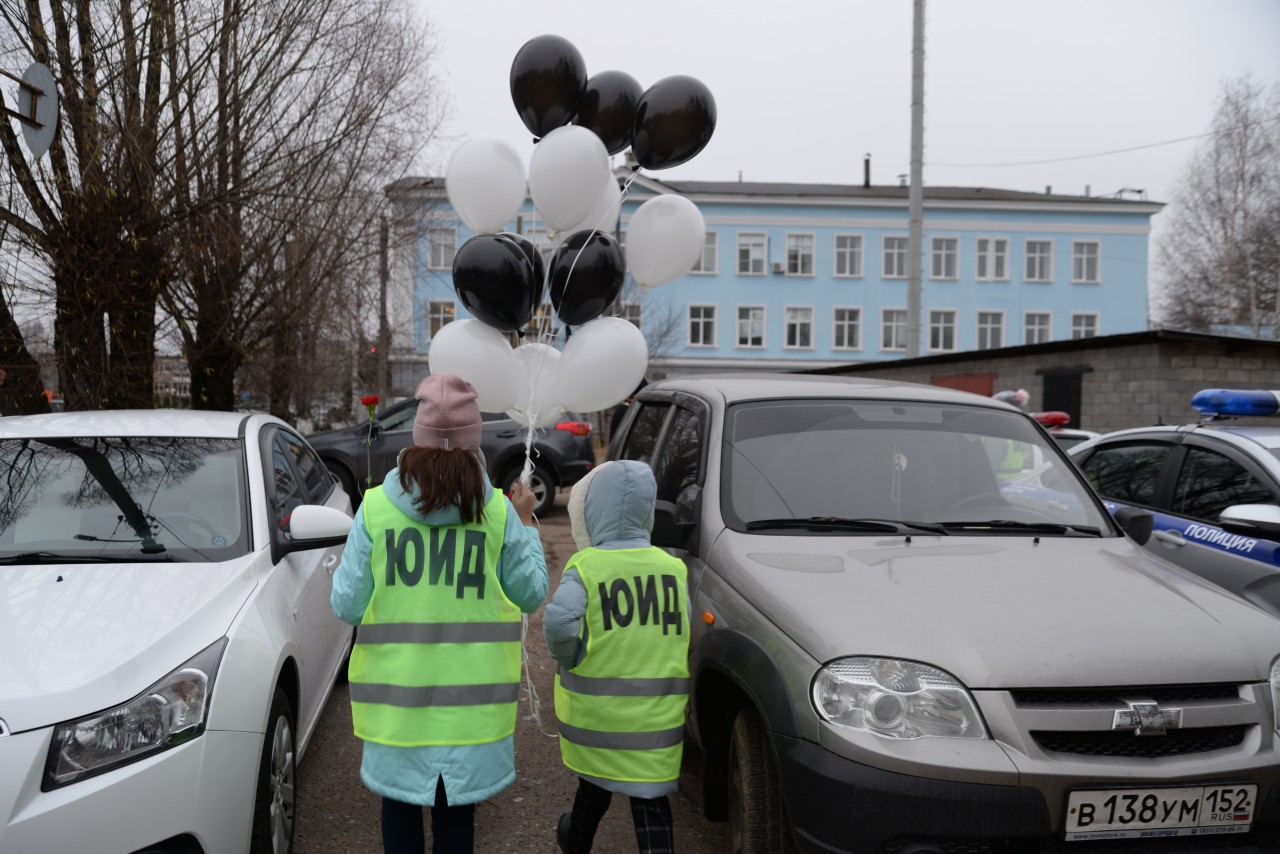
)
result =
(336, 813)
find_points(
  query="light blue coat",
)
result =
(611, 508)
(474, 772)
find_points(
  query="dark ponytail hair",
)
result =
(444, 478)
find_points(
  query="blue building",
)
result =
(804, 276)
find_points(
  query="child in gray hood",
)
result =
(618, 629)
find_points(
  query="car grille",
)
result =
(1175, 742)
(1099, 697)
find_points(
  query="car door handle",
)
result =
(331, 563)
(1172, 538)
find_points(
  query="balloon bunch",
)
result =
(578, 122)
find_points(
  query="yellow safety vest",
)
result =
(621, 710)
(437, 655)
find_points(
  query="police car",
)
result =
(1055, 423)
(1213, 488)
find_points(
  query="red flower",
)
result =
(369, 400)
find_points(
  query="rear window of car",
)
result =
(124, 498)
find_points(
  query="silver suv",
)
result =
(901, 643)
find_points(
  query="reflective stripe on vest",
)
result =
(437, 655)
(621, 710)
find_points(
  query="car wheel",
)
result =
(758, 821)
(541, 484)
(275, 805)
(346, 481)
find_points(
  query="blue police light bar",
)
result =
(1230, 401)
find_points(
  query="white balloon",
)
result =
(485, 183)
(603, 361)
(482, 356)
(537, 367)
(568, 173)
(603, 215)
(665, 238)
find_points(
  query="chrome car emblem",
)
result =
(1145, 717)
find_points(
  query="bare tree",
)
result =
(1217, 259)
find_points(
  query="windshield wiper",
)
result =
(43, 558)
(1034, 527)
(835, 523)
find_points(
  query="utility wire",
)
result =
(1103, 153)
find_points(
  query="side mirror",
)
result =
(311, 526)
(1254, 520)
(675, 523)
(1135, 522)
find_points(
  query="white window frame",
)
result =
(984, 329)
(543, 321)
(989, 254)
(1076, 328)
(885, 326)
(1078, 259)
(633, 313)
(800, 255)
(933, 312)
(704, 323)
(449, 248)
(848, 254)
(763, 327)
(710, 250)
(443, 310)
(1048, 326)
(787, 324)
(855, 323)
(1045, 260)
(748, 240)
(940, 255)
(900, 269)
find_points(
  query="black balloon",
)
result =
(548, 78)
(534, 254)
(587, 272)
(674, 121)
(609, 108)
(495, 281)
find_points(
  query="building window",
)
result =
(751, 254)
(1084, 325)
(543, 321)
(1039, 261)
(990, 330)
(443, 244)
(895, 258)
(847, 331)
(799, 328)
(541, 240)
(706, 262)
(631, 312)
(942, 330)
(993, 259)
(750, 326)
(893, 329)
(799, 254)
(702, 326)
(943, 255)
(439, 312)
(1084, 262)
(1035, 327)
(848, 256)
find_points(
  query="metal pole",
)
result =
(384, 331)
(915, 195)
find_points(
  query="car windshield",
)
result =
(122, 499)
(842, 464)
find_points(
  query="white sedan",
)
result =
(166, 640)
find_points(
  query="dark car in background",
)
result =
(562, 453)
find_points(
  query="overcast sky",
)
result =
(805, 88)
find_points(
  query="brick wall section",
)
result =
(1127, 381)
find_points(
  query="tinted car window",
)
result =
(288, 492)
(314, 474)
(398, 419)
(1127, 472)
(1210, 483)
(644, 431)
(678, 471)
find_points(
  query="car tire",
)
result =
(345, 480)
(758, 821)
(275, 802)
(541, 483)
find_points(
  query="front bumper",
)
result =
(837, 805)
(201, 791)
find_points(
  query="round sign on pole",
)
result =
(38, 135)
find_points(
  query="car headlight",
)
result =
(896, 699)
(170, 712)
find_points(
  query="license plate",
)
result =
(1151, 813)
